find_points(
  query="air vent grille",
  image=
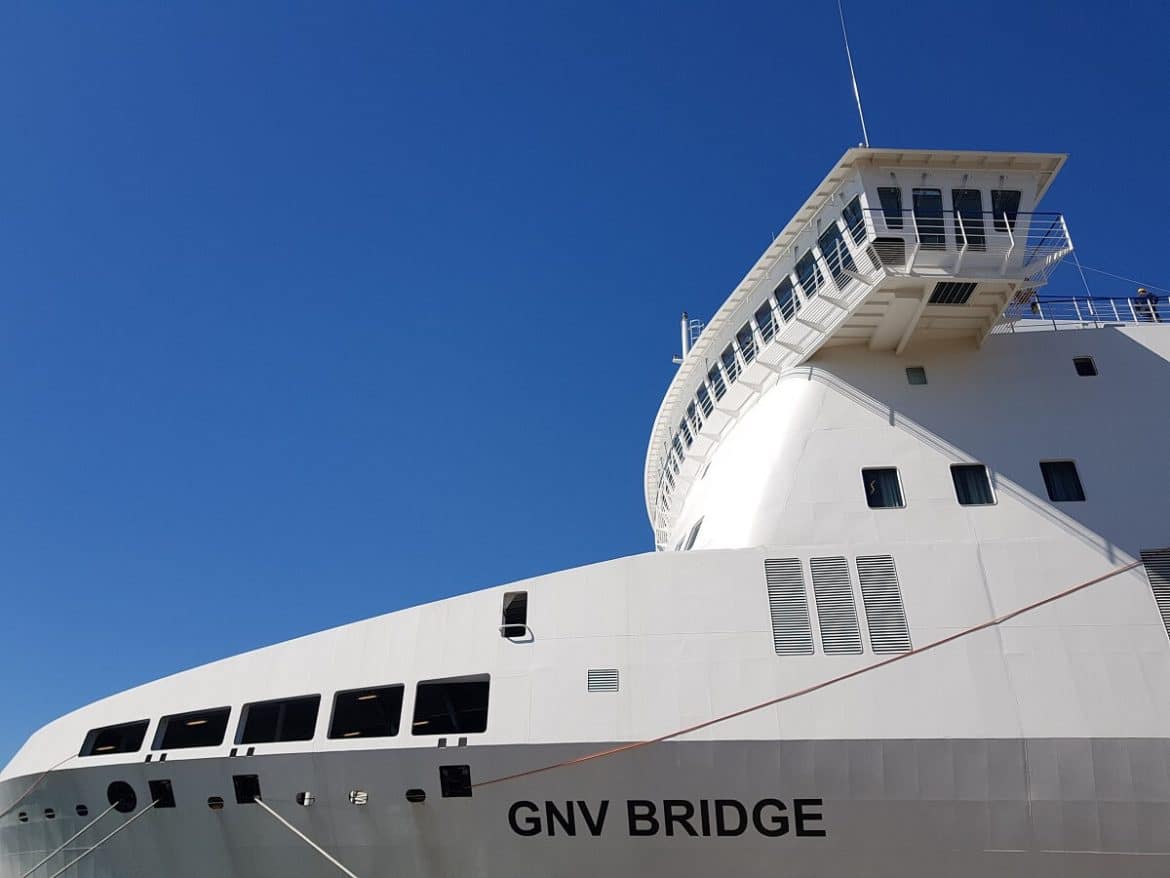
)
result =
(602, 680)
(949, 292)
(1157, 563)
(884, 612)
(836, 609)
(788, 602)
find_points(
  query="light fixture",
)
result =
(370, 697)
(196, 722)
(104, 749)
(351, 734)
(422, 722)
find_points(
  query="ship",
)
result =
(906, 612)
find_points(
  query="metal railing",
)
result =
(1077, 312)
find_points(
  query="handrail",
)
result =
(1076, 312)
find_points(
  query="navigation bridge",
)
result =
(895, 247)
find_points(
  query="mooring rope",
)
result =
(302, 837)
(70, 840)
(89, 851)
(36, 783)
(816, 687)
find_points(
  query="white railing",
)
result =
(1079, 312)
(1026, 245)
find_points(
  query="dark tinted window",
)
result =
(730, 363)
(882, 489)
(916, 374)
(717, 385)
(836, 254)
(747, 342)
(126, 738)
(854, 220)
(969, 229)
(928, 216)
(704, 399)
(291, 719)
(1005, 206)
(972, 485)
(203, 728)
(451, 707)
(766, 321)
(786, 299)
(514, 618)
(367, 713)
(1085, 366)
(891, 200)
(808, 273)
(1062, 481)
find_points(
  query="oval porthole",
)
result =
(82, 811)
(22, 817)
(215, 803)
(416, 795)
(50, 814)
(122, 796)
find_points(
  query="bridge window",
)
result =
(204, 728)
(686, 432)
(717, 386)
(883, 490)
(972, 484)
(747, 342)
(451, 707)
(1062, 481)
(766, 321)
(969, 228)
(836, 253)
(928, 216)
(367, 713)
(125, 738)
(808, 274)
(854, 220)
(1085, 366)
(1005, 207)
(730, 363)
(891, 201)
(704, 399)
(289, 719)
(786, 299)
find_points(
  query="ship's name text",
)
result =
(671, 817)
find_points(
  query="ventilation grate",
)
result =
(836, 608)
(949, 292)
(1157, 563)
(884, 612)
(602, 680)
(791, 631)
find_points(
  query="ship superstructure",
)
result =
(892, 433)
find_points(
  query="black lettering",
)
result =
(531, 825)
(777, 826)
(568, 820)
(803, 816)
(647, 816)
(669, 817)
(595, 827)
(705, 817)
(721, 828)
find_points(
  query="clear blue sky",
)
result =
(316, 311)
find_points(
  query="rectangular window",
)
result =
(704, 399)
(969, 228)
(203, 728)
(916, 374)
(1085, 366)
(717, 386)
(747, 342)
(786, 299)
(730, 363)
(124, 738)
(836, 253)
(451, 707)
(367, 713)
(685, 431)
(693, 418)
(891, 201)
(766, 322)
(928, 217)
(882, 488)
(1005, 207)
(1062, 481)
(972, 484)
(854, 220)
(270, 722)
(514, 618)
(808, 274)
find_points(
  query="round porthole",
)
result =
(415, 795)
(50, 814)
(82, 811)
(22, 817)
(122, 796)
(215, 803)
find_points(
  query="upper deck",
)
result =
(894, 246)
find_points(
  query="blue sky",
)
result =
(316, 311)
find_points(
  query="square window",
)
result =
(451, 707)
(1085, 366)
(972, 484)
(204, 728)
(882, 488)
(1062, 481)
(916, 374)
(366, 713)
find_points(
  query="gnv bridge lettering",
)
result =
(671, 817)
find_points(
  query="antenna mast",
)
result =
(852, 74)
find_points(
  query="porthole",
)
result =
(82, 811)
(22, 817)
(50, 814)
(122, 796)
(215, 803)
(415, 795)
(1085, 366)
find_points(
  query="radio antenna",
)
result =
(852, 74)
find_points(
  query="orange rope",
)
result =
(613, 751)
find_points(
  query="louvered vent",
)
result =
(836, 608)
(950, 292)
(884, 613)
(1157, 563)
(791, 631)
(602, 680)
